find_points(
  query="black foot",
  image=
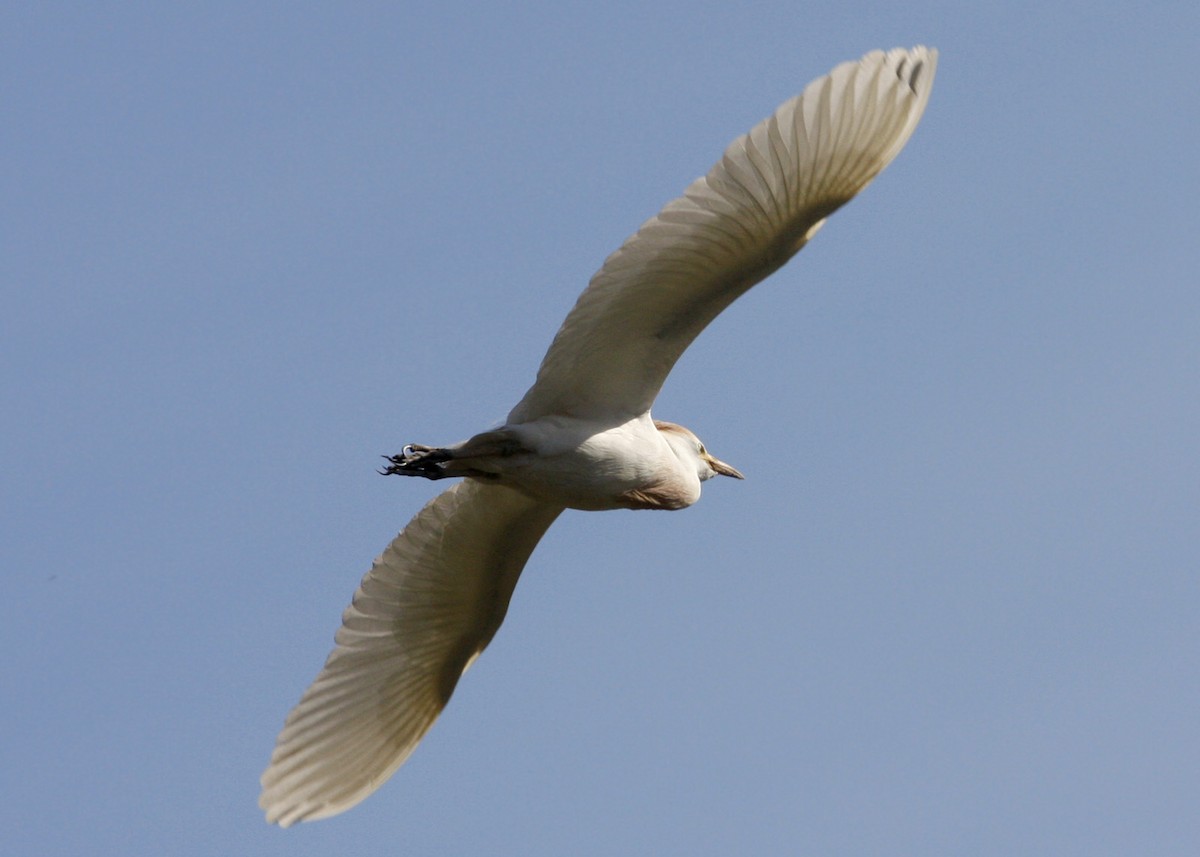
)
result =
(418, 460)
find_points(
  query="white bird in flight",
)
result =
(582, 437)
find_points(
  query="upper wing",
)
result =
(425, 610)
(759, 205)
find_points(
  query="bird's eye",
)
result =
(703, 451)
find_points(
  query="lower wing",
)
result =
(426, 609)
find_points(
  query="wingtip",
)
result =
(915, 66)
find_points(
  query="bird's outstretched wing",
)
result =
(425, 610)
(758, 206)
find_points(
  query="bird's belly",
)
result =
(620, 468)
(575, 482)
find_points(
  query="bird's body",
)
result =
(583, 436)
(578, 463)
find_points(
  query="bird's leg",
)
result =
(468, 458)
(418, 460)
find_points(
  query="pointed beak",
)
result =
(722, 469)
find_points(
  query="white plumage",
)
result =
(582, 437)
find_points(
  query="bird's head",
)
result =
(688, 448)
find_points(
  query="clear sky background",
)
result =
(246, 249)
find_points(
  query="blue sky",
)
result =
(953, 609)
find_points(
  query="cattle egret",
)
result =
(582, 437)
